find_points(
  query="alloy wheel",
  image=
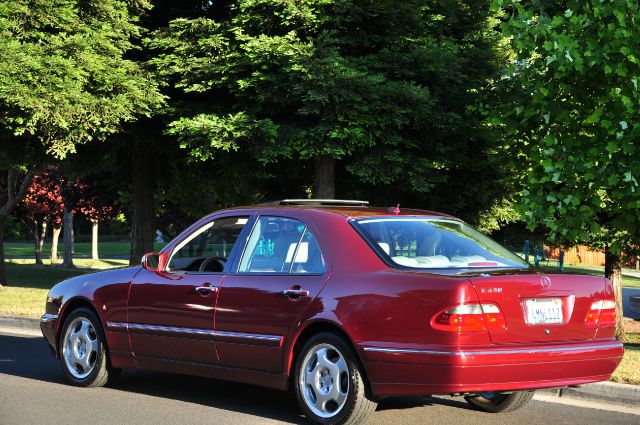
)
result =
(324, 380)
(80, 347)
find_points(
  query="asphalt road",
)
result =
(33, 391)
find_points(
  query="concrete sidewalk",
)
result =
(622, 395)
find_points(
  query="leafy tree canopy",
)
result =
(383, 85)
(572, 117)
(64, 79)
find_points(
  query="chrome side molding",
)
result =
(235, 337)
(495, 352)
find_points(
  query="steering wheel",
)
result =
(213, 264)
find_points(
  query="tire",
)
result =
(495, 402)
(83, 351)
(328, 382)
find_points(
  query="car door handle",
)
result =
(206, 289)
(296, 293)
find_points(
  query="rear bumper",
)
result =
(48, 324)
(427, 370)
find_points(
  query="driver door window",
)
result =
(207, 249)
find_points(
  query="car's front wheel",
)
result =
(329, 382)
(496, 402)
(83, 350)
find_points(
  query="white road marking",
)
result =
(5, 360)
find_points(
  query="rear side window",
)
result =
(281, 245)
(432, 243)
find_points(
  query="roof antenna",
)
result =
(394, 211)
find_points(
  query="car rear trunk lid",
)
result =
(541, 308)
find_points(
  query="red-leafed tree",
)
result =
(45, 202)
(96, 204)
(42, 205)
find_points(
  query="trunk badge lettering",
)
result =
(490, 290)
(545, 282)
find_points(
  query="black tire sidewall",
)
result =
(352, 365)
(101, 361)
(503, 402)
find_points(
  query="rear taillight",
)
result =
(601, 313)
(470, 318)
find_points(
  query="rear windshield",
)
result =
(434, 243)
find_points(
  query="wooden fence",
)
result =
(584, 256)
(577, 255)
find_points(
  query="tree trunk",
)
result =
(324, 181)
(14, 195)
(142, 213)
(67, 256)
(3, 273)
(43, 236)
(54, 242)
(613, 272)
(94, 239)
(36, 242)
(39, 234)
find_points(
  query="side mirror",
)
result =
(154, 261)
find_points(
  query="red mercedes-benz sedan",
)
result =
(342, 304)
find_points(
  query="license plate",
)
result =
(543, 311)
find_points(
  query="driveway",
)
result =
(626, 305)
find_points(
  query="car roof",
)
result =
(348, 211)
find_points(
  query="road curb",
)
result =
(603, 392)
(20, 324)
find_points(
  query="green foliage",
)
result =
(572, 117)
(501, 213)
(63, 76)
(383, 86)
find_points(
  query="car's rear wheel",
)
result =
(496, 402)
(329, 383)
(83, 350)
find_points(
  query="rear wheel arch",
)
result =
(313, 329)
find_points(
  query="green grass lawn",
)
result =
(28, 287)
(28, 284)
(552, 265)
(105, 249)
(628, 281)
(629, 370)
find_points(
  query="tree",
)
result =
(97, 204)
(377, 89)
(12, 190)
(65, 80)
(570, 115)
(43, 204)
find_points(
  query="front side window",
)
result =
(432, 243)
(207, 249)
(281, 245)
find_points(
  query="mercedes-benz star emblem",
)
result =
(545, 282)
